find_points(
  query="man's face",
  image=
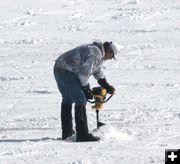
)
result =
(108, 55)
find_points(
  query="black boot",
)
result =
(81, 125)
(66, 121)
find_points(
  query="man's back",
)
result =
(83, 61)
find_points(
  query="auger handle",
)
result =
(104, 101)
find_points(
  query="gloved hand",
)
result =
(104, 84)
(87, 91)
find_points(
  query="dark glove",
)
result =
(104, 84)
(87, 91)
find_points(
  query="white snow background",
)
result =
(143, 118)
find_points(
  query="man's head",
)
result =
(110, 50)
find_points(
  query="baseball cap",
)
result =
(113, 47)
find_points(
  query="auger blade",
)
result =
(99, 124)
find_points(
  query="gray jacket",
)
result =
(84, 61)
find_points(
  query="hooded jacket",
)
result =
(84, 61)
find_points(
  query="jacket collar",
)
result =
(100, 46)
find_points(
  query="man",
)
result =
(72, 71)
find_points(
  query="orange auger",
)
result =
(99, 95)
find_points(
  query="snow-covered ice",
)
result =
(143, 117)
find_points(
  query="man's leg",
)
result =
(82, 131)
(66, 120)
(66, 105)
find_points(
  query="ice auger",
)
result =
(99, 95)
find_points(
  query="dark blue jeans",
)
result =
(70, 87)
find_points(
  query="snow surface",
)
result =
(143, 117)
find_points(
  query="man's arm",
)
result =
(98, 74)
(86, 70)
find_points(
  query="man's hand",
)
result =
(87, 91)
(111, 90)
(104, 84)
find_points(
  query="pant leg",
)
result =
(70, 87)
